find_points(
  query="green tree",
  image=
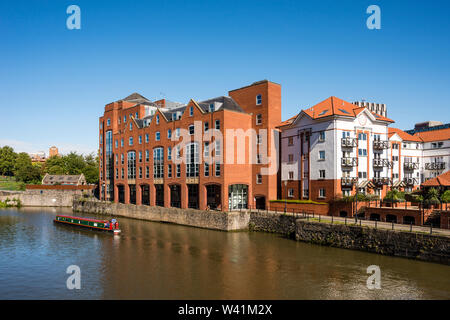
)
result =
(445, 197)
(7, 160)
(25, 171)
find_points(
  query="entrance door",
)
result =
(159, 195)
(193, 196)
(260, 202)
(145, 194)
(213, 196)
(175, 196)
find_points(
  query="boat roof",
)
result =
(81, 218)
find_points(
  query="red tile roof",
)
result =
(442, 180)
(434, 135)
(405, 136)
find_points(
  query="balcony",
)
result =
(381, 163)
(410, 165)
(349, 161)
(435, 166)
(380, 144)
(348, 181)
(348, 142)
(379, 181)
(410, 181)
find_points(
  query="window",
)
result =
(217, 123)
(169, 153)
(322, 136)
(177, 132)
(290, 158)
(136, 115)
(121, 159)
(101, 125)
(178, 170)
(191, 111)
(362, 175)
(169, 171)
(130, 141)
(206, 150)
(116, 144)
(362, 136)
(124, 119)
(206, 169)
(258, 119)
(322, 155)
(140, 172)
(322, 174)
(206, 126)
(131, 165)
(290, 141)
(158, 162)
(394, 158)
(191, 129)
(140, 139)
(157, 119)
(258, 159)
(258, 139)
(157, 136)
(217, 169)
(376, 137)
(291, 175)
(123, 173)
(177, 153)
(258, 99)
(217, 148)
(117, 159)
(321, 193)
(147, 156)
(147, 172)
(169, 134)
(395, 146)
(362, 152)
(192, 160)
(290, 193)
(117, 173)
(395, 175)
(258, 178)
(108, 122)
(121, 142)
(147, 138)
(140, 156)
(131, 126)
(211, 107)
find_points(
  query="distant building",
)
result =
(37, 157)
(53, 151)
(378, 108)
(72, 180)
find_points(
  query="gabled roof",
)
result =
(442, 180)
(135, 97)
(434, 135)
(403, 135)
(63, 179)
(228, 103)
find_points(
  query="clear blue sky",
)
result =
(55, 82)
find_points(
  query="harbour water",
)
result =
(163, 261)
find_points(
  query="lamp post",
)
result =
(356, 207)
(285, 196)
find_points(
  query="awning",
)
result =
(398, 184)
(366, 183)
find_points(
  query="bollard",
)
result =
(360, 222)
(332, 219)
(319, 217)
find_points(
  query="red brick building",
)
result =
(218, 153)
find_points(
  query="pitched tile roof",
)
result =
(441, 180)
(434, 135)
(403, 135)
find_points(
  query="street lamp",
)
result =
(285, 197)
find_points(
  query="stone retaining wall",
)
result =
(387, 242)
(217, 220)
(41, 198)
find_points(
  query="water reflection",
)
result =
(161, 261)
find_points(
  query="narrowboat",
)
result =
(111, 226)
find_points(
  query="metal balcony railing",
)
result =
(348, 142)
(349, 181)
(349, 161)
(410, 165)
(381, 181)
(380, 144)
(380, 163)
(435, 165)
(410, 181)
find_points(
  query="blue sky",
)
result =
(55, 82)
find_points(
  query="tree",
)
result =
(394, 196)
(7, 160)
(445, 197)
(432, 196)
(74, 164)
(25, 171)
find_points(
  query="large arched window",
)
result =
(131, 158)
(192, 160)
(158, 162)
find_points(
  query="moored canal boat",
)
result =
(111, 226)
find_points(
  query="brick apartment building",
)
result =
(211, 153)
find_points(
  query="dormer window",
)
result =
(258, 99)
(211, 107)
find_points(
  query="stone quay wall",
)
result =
(387, 242)
(41, 198)
(217, 220)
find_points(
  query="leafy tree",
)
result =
(74, 163)
(394, 196)
(7, 160)
(25, 171)
(445, 197)
(432, 196)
